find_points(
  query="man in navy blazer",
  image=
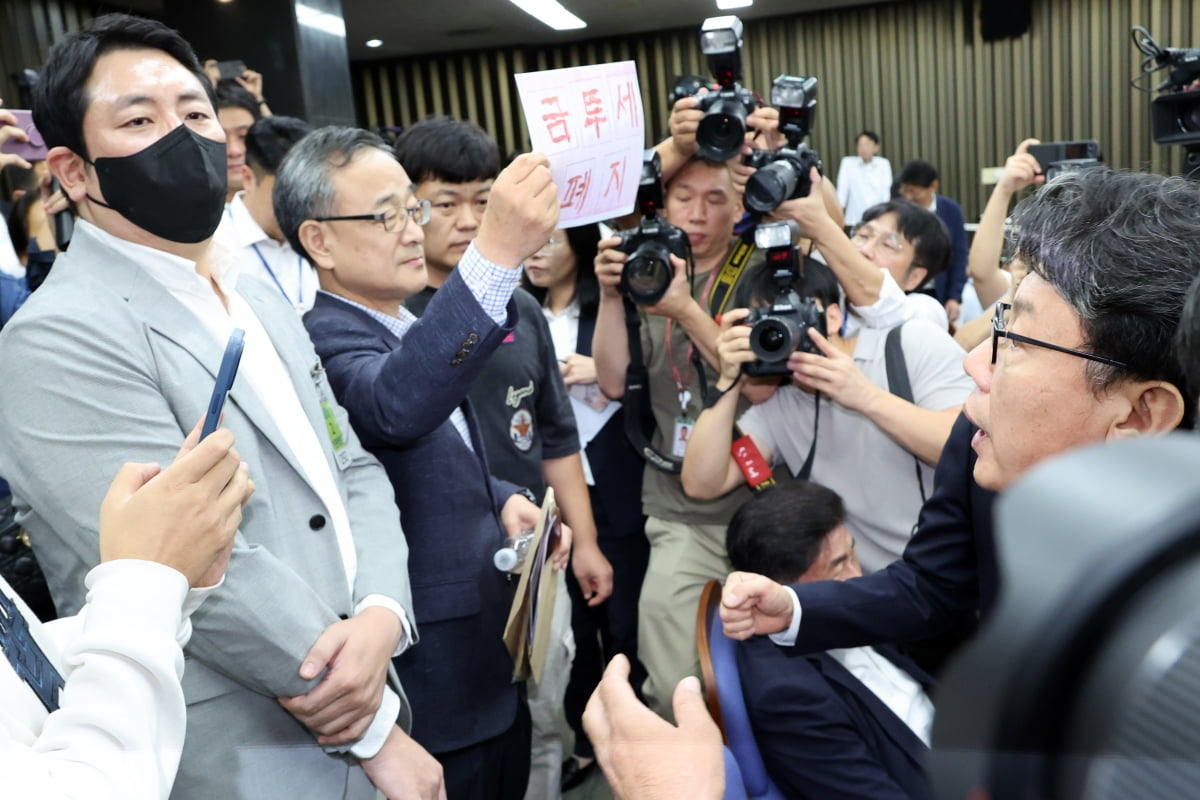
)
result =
(1084, 354)
(919, 183)
(344, 201)
(845, 723)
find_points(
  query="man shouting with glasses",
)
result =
(344, 201)
(1084, 354)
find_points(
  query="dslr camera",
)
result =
(722, 129)
(782, 327)
(648, 270)
(784, 174)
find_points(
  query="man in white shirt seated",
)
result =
(865, 179)
(249, 228)
(91, 705)
(851, 723)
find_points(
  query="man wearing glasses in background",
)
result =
(893, 252)
(344, 201)
(1085, 354)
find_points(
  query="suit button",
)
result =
(456, 362)
(316, 522)
(473, 338)
(467, 345)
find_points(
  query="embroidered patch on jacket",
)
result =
(520, 430)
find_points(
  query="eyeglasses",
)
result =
(888, 240)
(998, 330)
(390, 219)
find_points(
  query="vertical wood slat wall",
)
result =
(916, 72)
(28, 28)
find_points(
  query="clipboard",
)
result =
(527, 631)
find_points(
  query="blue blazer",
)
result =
(399, 396)
(822, 733)
(945, 578)
(949, 285)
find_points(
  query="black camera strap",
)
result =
(899, 385)
(731, 270)
(637, 396)
(806, 470)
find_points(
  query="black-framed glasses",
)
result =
(998, 330)
(391, 218)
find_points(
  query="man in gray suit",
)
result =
(287, 670)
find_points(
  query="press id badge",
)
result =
(683, 431)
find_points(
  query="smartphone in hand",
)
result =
(32, 150)
(225, 376)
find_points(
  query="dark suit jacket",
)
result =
(946, 576)
(400, 395)
(822, 733)
(949, 285)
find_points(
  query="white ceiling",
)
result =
(410, 27)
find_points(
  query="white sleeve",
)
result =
(843, 183)
(891, 309)
(119, 728)
(787, 638)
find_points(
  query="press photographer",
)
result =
(649, 247)
(676, 338)
(865, 415)
(780, 327)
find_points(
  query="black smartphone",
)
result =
(1053, 153)
(225, 376)
(231, 69)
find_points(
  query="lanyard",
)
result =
(278, 285)
(299, 271)
(682, 381)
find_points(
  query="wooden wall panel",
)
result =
(916, 72)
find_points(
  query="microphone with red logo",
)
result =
(751, 462)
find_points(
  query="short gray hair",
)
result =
(304, 184)
(1121, 248)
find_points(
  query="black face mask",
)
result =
(174, 189)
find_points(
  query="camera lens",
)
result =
(722, 130)
(774, 338)
(647, 273)
(770, 186)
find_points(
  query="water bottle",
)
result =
(511, 557)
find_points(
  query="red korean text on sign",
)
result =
(593, 108)
(556, 121)
(577, 188)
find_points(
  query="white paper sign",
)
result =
(589, 123)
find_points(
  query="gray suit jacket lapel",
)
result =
(175, 322)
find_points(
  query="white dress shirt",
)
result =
(119, 728)
(265, 259)
(893, 686)
(264, 370)
(861, 185)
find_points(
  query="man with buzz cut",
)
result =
(347, 205)
(525, 414)
(288, 683)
